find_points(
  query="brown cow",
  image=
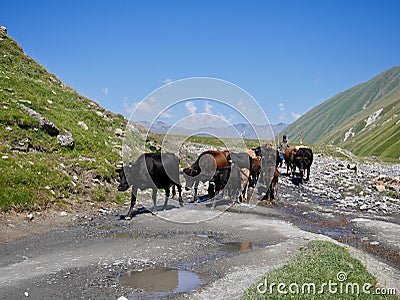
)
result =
(203, 169)
(289, 159)
(255, 170)
(272, 191)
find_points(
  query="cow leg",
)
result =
(276, 191)
(180, 194)
(154, 196)
(166, 198)
(133, 202)
(173, 191)
(308, 173)
(211, 189)
(196, 185)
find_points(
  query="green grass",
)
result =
(318, 263)
(36, 179)
(328, 122)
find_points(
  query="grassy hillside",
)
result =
(35, 170)
(367, 114)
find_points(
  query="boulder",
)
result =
(66, 139)
(118, 132)
(46, 124)
(83, 124)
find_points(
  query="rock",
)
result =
(8, 128)
(122, 298)
(26, 294)
(30, 216)
(364, 207)
(119, 132)
(66, 140)
(374, 243)
(63, 214)
(83, 124)
(352, 167)
(47, 125)
(49, 101)
(380, 187)
(3, 29)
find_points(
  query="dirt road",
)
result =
(90, 259)
(191, 252)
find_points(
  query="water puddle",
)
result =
(232, 247)
(162, 281)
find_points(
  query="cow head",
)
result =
(189, 174)
(302, 162)
(123, 184)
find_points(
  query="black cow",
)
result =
(242, 159)
(151, 170)
(303, 159)
(269, 171)
(227, 179)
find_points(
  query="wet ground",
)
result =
(191, 252)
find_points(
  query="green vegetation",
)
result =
(308, 274)
(35, 170)
(348, 112)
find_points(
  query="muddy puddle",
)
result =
(162, 281)
(232, 247)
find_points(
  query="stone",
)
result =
(380, 188)
(119, 132)
(83, 124)
(364, 207)
(374, 243)
(30, 216)
(8, 128)
(63, 214)
(66, 140)
(46, 124)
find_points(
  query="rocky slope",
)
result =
(364, 119)
(56, 146)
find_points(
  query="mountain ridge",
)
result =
(247, 131)
(330, 121)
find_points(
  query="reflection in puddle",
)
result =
(236, 246)
(161, 280)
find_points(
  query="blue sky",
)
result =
(289, 55)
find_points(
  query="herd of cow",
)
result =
(225, 171)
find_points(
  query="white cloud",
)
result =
(143, 106)
(190, 108)
(208, 108)
(282, 112)
(243, 108)
(104, 91)
(166, 115)
(127, 108)
(167, 80)
(296, 116)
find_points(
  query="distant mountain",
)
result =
(246, 131)
(364, 119)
